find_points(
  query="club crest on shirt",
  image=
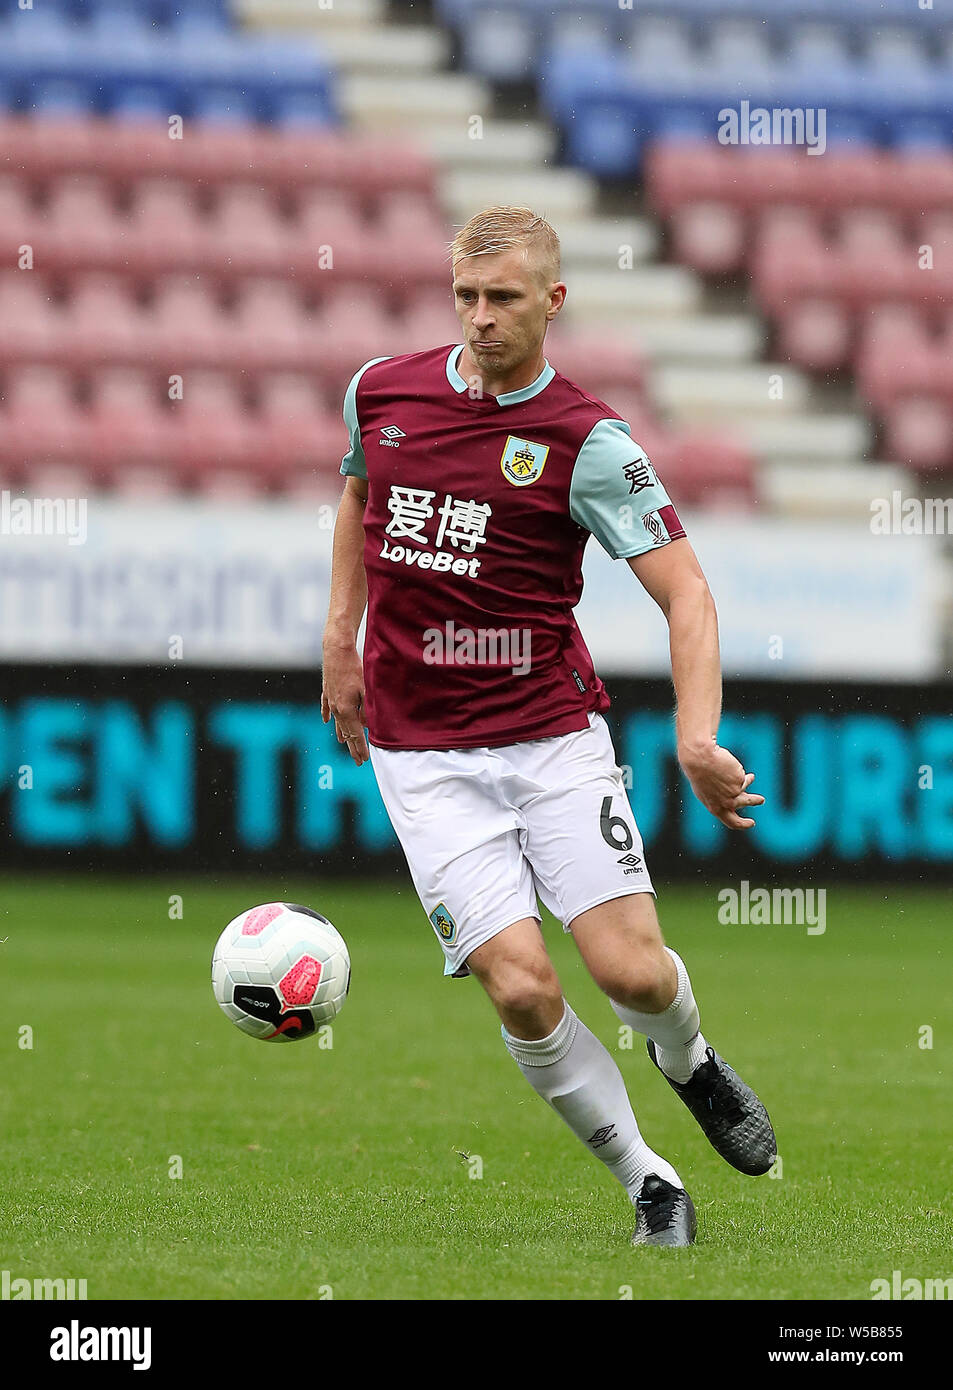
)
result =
(444, 924)
(522, 461)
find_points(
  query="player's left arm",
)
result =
(616, 495)
(673, 577)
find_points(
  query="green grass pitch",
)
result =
(308, 1170)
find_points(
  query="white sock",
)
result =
(574, 1073)
(679, 1045)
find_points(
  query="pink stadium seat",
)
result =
(869, 229)
(203, 440)
(187, 326)
(794, 229)
(709, 237)
(166, 226)
(123, 150)
(228, 485)
(680, 172)
(45, 148)
(782, 273)
(82, 226)
(289, 396)
(843, 178)
(331, 239)
(128, 389)
(56, 478)
(586, 358)
(760, 177)
(713, 471)
(429, 320)
(144, 483)
(38, 414)
(38, 388)
(369, 163)
(16, 203)
(919, 433)
(104, 321)
(270, 322)
(210, 393)
(31, 322)
(246, 231)
(814, 333)
(350, 326)
(413, 236)
(295, 447)
(129, 427)
(125, 436)
(919, 181)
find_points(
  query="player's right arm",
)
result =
(342, 674)
(342, 687)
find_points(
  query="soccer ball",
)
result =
(279, 971)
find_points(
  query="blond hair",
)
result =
(504, 228)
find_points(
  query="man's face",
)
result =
(504, 308)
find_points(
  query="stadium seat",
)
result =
(31, 322)
(187, 326)
(919, 432)
(105, 321)
(709, 237)
(713, 472)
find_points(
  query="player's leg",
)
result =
(464, 853)
(572, 1071)
(646, 982)
(588, 862)
(622, 953)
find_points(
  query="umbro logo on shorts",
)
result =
(632, 863)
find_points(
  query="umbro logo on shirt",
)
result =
(393, 434)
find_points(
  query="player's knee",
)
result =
(645, 982)
(527, 993)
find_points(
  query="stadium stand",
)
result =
(849, 257)
(301, 228)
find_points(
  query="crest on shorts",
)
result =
(522, 461)
(444, 925)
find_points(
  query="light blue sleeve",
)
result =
(354, 461)
(616, 495)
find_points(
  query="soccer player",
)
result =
(476, 474)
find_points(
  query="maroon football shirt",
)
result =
(478, 512)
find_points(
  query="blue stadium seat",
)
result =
(499, 44)
(140, 56)
(142, 102)
(59, 97)
(603, 141)
(292, 110)
(921, 133)
(223, 106)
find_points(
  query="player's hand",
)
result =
(721, 784)
(342, 697)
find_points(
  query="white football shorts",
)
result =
(486, 830)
